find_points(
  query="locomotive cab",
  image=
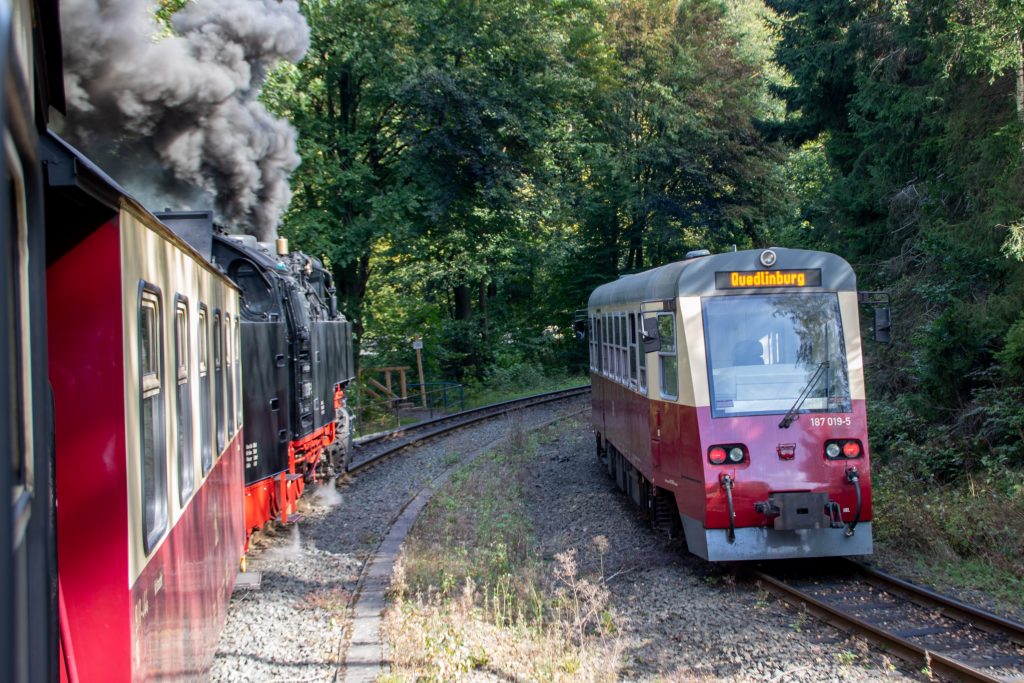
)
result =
(729, 389)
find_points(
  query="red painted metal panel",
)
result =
(87, 375)
(686, 434)
(180, 598)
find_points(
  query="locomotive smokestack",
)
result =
(175, 117)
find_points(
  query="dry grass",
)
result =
(472, 600)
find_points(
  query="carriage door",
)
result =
(26, 523)
(648, 367)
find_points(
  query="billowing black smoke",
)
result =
(175, 118)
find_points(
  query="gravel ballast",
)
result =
(681, 619)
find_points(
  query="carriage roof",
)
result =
(696, 276)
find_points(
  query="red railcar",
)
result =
(143, 359)
(728, 399)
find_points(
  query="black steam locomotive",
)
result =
(297, 364)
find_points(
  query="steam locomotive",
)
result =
(167, 390)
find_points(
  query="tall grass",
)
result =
(471, 593)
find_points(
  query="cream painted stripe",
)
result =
(698, 392)
(150, 254)
(849, 310)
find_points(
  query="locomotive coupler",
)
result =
(853, 477)
(768, 508)
(727, 483)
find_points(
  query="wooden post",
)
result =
(418, 345)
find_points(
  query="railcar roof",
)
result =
(696, 276)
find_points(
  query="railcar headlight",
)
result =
(733, 453)
(832, 450)
(847, 449)
(768, 258)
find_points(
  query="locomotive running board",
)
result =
(762, 543)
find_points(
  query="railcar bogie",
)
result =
(733, 386)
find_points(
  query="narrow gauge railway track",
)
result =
(372, 449)
(952, 639)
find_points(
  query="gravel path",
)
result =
(293, 628)
(684, 619)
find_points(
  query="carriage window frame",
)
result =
(668, 357)
(206, 440)
(220, 424)
(239, 408)
(155, 514)
(183, 398)
(229, 376)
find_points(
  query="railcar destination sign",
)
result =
(766, 279)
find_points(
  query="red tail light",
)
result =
(716, 455)
(843, 449)
(851, 449)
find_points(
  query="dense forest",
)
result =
(471, 170)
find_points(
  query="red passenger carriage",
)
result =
(145, 372)
(728, 399)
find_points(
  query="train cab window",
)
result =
(153, 461)
(238, 373)
(229, 372)
(257, 293)
(667, 358)
(183, 400)
(632, 350)
(218, 382)
(764, 351)
(205, 389)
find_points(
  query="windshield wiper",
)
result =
(793, 413)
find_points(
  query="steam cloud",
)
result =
(175, 118)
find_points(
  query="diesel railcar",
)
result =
(728, 400)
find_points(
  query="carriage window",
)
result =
(238, 374)
(764, 351)
(605, 343)
(218, 382)
(183, 401)
(18, 359)
(229, 372)
(154, 450)
(592, 339)
(205, 388)
(623, 350)
(668, 361)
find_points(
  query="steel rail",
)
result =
(914, 653)
(428, 429)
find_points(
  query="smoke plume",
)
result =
(174, 118)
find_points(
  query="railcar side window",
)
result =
(632, 350)
(183, 400)
(623, 353)
(668, 360)
(218, 381)
(153, 462)
(642, 356)
(205, 389)
(606, 346)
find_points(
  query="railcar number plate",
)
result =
(831, 421)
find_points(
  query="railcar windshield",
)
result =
(764, 350)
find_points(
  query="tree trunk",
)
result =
(463, 303)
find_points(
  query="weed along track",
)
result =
(298, 625)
